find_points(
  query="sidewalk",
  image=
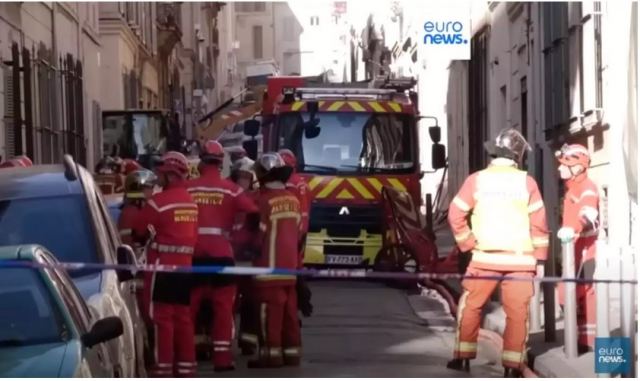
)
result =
(545, 359)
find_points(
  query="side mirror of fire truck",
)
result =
(251, 127)
(438, 156)
(251, 147)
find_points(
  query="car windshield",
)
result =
(28, 314)
(349, 141)
(134, 134)
(61, 224)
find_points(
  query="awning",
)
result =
(227, 117)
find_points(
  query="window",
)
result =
(478, 126)
(63, 227)
(556, 64)
(29, 315)
(315, 21)
(250, 6)
(350, 142)
(257, 41)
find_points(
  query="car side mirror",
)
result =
(102, 331)
(435, 132)
(125, 256)
(251, 147)
(438, 156)
(251, 127)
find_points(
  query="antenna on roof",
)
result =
(70, 171)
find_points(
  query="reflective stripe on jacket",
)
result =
(508, 223)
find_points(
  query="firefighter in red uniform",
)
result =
(508, 236)
(138, 189)
(298, 185)
(171, 217)
(580, 220)
(278, 239)
(219, 201)
(242, 174)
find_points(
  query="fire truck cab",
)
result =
(351, 140)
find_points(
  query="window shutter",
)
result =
(9, 112)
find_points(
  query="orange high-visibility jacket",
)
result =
(581, 205)
(508, 229)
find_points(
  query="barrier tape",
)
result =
(314, 273)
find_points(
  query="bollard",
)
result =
(603, 271)
(628, 303)
(534, 304)
(569, 272)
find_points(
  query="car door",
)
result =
(126, 288)
(96, 359)
(112, 299)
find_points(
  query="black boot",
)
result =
(512, 373)
(459, 364)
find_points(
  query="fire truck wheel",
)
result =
(397, 258)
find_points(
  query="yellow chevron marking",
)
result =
(356, 106)
(396, 184)
(357, 185)
(297, 106)
(329, 188)
(395, 106)
(335, 106)
(314, 182)
(320, 103)
(376, 107)
(376, 183)
(345, 195)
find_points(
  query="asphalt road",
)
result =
(363, 329)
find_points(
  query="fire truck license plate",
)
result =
(343, 259)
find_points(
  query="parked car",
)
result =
(46, 327)
(60, 208)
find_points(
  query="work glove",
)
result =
(566, 233)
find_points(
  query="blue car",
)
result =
(46, 328)
(60, 207)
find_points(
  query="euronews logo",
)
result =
(612, 355)
(444, 33)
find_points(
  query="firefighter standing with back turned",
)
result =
(278, 239)
(508, 235)
(171, 216)
(298, 185)
(580, 220)
(219, 201)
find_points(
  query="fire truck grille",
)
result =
(346, 221)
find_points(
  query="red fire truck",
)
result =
(351, 140)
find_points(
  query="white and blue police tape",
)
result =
(358, 273)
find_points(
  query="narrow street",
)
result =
(363, 329)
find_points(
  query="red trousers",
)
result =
(248, 317)
(516, 295)
(584, 259)
(279, 326)
(222, 330)
(174, 348)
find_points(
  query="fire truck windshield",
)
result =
(350, 142)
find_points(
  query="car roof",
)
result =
(38, 181)
(20, 252)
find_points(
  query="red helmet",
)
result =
(212, 151)
(20, 161)
(574, 154)
(174, 162)
(130, 166)
(288, 157)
